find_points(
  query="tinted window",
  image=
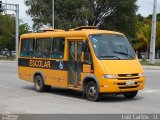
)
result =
(58, 48)
(43, 48)
(27, 48)
(87, 56)
(79, 51)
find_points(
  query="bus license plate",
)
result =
(129, 83)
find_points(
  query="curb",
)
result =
(7, 61)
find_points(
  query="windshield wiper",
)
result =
(106, 56)
(123, 53)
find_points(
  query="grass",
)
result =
(7, 58)
(145, 62)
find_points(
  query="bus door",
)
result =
(75, 65)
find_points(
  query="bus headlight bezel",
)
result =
(109, 76)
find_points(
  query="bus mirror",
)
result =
(84, 46)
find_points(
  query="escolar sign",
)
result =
(40, 63)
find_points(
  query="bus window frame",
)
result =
(91, 47)
(51, 38)
(64, 38)
(20, 47)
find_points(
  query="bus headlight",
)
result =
(106, 76)
(141, 74)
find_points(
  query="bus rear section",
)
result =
(93, 61)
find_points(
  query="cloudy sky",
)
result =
(145, 8)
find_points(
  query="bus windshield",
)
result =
(112, 47)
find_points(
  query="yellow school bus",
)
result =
(86, 59)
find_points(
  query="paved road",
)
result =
(17, 96)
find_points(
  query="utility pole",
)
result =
(153, 34)
(17, 30)
(53, 14)
(15, 8)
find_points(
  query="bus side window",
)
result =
(27, 48)
(43, 48)
(58, 48)
(24, 48)
(31, 48)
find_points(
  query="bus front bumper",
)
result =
(119, 86)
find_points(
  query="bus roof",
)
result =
(77, 32)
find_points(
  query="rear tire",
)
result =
(39, 84)
(92, 92)
(130, 95)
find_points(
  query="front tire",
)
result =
(39, 84)
(92, 92)
(130, 95)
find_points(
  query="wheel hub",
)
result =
(92, 91)
(38, 84)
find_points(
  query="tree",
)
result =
(120, 16)
(23, 28)
(158, 35)
(144, 34)
(67, 13)
(7, 31)
(150, 17)
(105, 14)
(158, 38)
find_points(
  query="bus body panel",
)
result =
(51, 77)
(110, 86)
(28, 76)
(122, 66)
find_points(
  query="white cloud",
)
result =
(146, 7)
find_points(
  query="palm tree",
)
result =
(23, 28)
(143, 37)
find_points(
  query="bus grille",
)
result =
(132, 78)
(124, 86)
(128, 87)
(128, 77)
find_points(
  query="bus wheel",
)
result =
(130, 95)
(39, 84)
(92, 93)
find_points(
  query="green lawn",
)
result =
(7, 58)
(144, 62)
